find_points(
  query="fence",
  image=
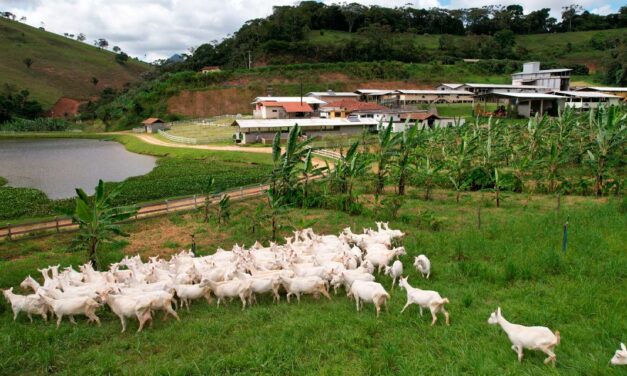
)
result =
(64, 224)
(328, 153)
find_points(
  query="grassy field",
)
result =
(61, 66)
(204, 133)
(179, 172)
(541, 46)
(514, 261)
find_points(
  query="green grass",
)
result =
(514, 261)
(179, 172)
(204, 133)
(61, 66)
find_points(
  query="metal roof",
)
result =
(308, 100)
(544, 71)
(604, 88)
(374, 91)
(331, 94)
(317, 122)
(505, 86)
(444, 92)
(453, 86)
(525, 95)
(585, 94)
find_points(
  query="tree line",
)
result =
(288, 28)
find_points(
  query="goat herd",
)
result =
(307, 264)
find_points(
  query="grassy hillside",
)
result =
(61, 66)
(541, 46)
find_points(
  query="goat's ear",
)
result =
(498, 311)
(622, 346)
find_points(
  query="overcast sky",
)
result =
(153, 29)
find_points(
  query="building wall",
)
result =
(343, 130)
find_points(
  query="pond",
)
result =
(58, 166)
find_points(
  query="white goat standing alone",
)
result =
(423, 265)
(528, 337)
(31, 304)
(395, 271)
(425, 299)
(620, 357)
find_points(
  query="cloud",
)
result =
(151, 29)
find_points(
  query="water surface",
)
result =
(57, 166)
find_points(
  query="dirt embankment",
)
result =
(236, 100)
(64, 107)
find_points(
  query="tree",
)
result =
(506, 40)
(352, 12)
(208, 195)
(28, 62)
(94, 81)
(97, 218)
(121, 58)
(101, 43)
(407, 142)
(347, 170)
(116, 49)
(224, 209)
(386, 143)
(81, 37)
(427, 172)
(308, 171)
(458, 161)
(569, 12)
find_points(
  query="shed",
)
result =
(525, 104)
(585, 100)
(153, 125)
(210, 69)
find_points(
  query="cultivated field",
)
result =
(514, 261)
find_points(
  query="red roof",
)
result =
(351, 105)
(152, 121)
(290, 106)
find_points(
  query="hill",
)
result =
(580, 47)
(60, 66)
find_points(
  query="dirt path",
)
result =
(155, 141)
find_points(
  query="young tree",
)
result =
(116, 49)
(351, 13)
(121, 58)
(407, 142)
(208, 195)
(224, 209)
(308, 171)
(458, 161)
(347, 170)
(427, 172)
(97, 218)
(569, 12)
(81, 37)
(94, 81)
(386, 150)
(28, 62)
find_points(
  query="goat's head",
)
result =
(620, 356)
(494, 317)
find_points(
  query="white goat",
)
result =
(394, 271)
(369, 292)
(30, 304)
(425, 299)
(304, 285)
(231, 289)
(620, 357)
(527, 337)
(193, 292)
(423, 265)
(127, 306)
(73, 306)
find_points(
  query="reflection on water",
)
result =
(57, 166)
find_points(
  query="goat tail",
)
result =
(557, 337)
(442, 302)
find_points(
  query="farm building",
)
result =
(480, 89)
(263, 130)
(153, 125)
(406, 97)
(282, 110)
(314, 103)
(618, 91)
(384, 97)
(343, 108)
(332, 96)
(585, 100)
(210, 69)
(523, 104)
(447, 87)
(532, 75)
(431, 120)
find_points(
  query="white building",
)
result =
(332, 96)
(532, 75)
(585, 100)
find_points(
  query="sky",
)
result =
(154, 29)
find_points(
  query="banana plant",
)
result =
(98, 219)
(347, 170)
(427, 173)
(459, 161)
(407, 142)
(386, 151)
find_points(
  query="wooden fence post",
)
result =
(9, 231)
(195, 205)
(56, 221)
(241, 191)
(167, 206)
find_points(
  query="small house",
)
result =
(210, 69)
(153, 125)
